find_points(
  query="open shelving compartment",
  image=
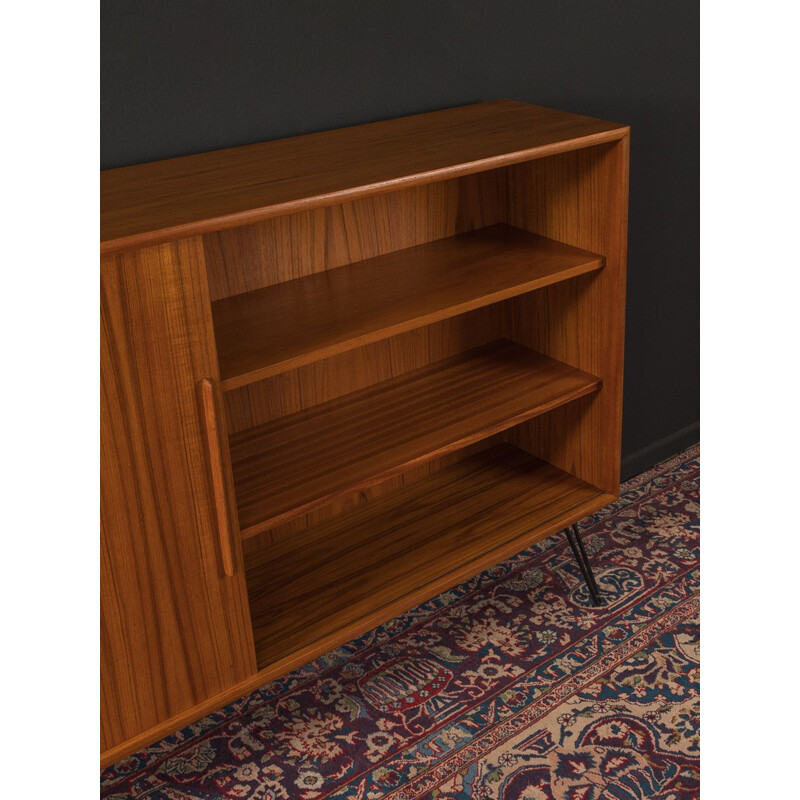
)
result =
(417, 384)
(341, 373)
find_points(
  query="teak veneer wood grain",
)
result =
(303, 243)
(496, 503)
(287, 467)
(356, 464)
(175, 629)
(358, 570)
(272, 330)
(580, 198)
(215, 453)
(181, 197)
(322, 381)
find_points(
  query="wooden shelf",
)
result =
(343, 577)
(179, 197)
(275, 329)
(299, 462)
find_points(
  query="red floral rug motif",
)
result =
(511, 686)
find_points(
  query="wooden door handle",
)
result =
(218, 489)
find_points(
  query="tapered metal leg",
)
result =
(578, 550)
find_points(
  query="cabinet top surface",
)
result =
(166, 200)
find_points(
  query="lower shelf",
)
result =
(299, 462)
(315, 591)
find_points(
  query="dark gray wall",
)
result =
(183, 77)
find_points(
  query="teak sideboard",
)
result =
(341, 373)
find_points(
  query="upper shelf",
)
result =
(271, 330)
(166, 200)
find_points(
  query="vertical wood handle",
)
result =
(218, 490)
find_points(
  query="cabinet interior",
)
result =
(408, 387)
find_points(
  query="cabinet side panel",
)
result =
(174, 629)
(580, 198)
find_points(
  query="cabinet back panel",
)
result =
(330, 378)
(312, 384)
(296, 526)
(296, 245)
(293, 246)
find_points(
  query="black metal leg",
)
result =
(578, 550)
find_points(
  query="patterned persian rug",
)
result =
(512, 685)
